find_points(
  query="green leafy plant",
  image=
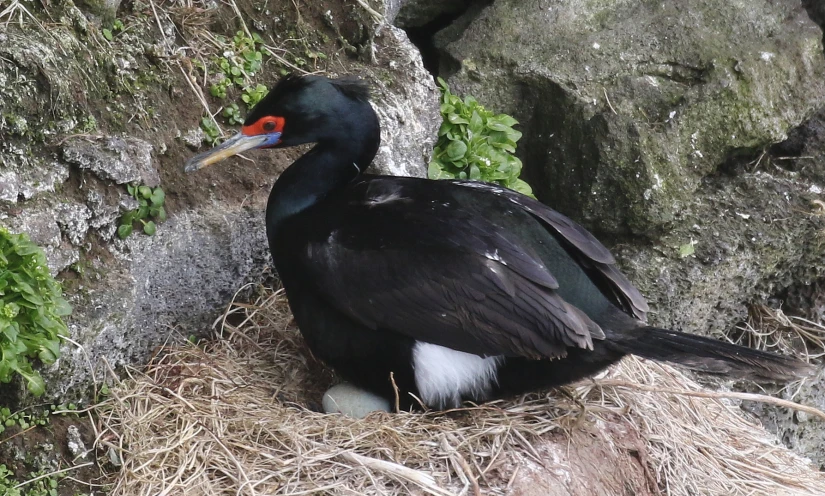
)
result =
(253, 94)
(150, 209)
(218, 90)
(40, 486)
(31, 311)
(117, 27)
(23, 420)
(242, 58)
(473, 143)
(233, 114)
(213, 134)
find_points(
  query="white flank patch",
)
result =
(444, 375)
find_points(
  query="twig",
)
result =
(201, 98)
(397, 394)
(374, 13)
(465, 467)
(762, 398)
(424, 481)
(160, 26)
(62, 470)
(608, 101)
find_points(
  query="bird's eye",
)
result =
(269, 126)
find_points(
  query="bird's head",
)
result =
(298, 110)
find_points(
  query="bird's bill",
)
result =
(233, 146)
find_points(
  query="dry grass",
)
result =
(771, 329)
(230, 418)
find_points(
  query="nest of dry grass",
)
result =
(773, 330)
(230, 417)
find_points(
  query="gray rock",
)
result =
(158, 289)
(626, 106)
(39, 225)
(74, 442)
(106, 9)
(415, 13)
(128, 202)
(102, 213)
(9, 186)
(122, 160)
(42, 178)
(73, 220)
(193, 138)
(407, 106)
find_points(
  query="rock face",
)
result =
(407, 107)
(631, 113)
(121, 160)
(626, 106)
(416, 13)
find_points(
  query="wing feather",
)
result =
(582, 245)
(450, 278)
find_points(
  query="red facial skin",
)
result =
(264, 125)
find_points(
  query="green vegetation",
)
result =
(35, 484)
(31, 310)
(22, 420)
(117, 27)
(150, 209)
(254, 94)
(473, 143)
(233, 114)
(242, 59)
(46, 486)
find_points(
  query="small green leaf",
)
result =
(687, 249)
(145, 191)
(161, 216)
(35, 384)
(476, 123)
(124, 231)
(107, 33)
(158, 197)
(456, 150)
(150, 228)
(523, 188)
(62, 307)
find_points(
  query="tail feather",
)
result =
(708, 355)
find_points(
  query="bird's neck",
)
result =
(329, 166)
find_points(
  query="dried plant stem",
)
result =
(761, 398)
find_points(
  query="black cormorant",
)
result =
(461, 290)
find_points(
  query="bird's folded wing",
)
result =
(453, 280)
(581, 245)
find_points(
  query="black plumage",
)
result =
(461, 290)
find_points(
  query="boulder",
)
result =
(416, 13)
(627, 106)
(120, 160)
